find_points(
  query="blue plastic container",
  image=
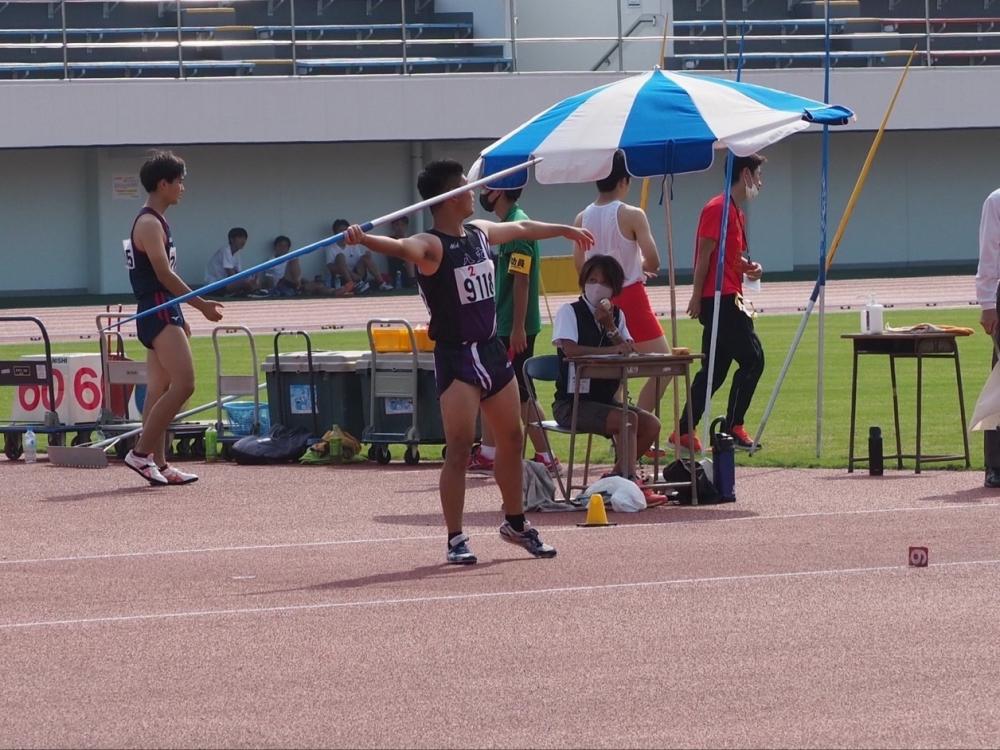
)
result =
(240, 415)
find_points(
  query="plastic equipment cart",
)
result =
(236, 385)
(400, 397)
(36, 376)
(293, 403)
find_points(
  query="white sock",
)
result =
(488, 451)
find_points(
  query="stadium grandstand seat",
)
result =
(123, 39)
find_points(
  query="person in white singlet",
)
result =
(622, 231)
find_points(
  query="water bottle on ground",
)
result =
(211, 443)
(875, 456)
(30, 447)
(399, 279)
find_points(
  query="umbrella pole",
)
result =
(824, 181)
(706, 415)
(859, 184)
(720, 269)
(668, 198)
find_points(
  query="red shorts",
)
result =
(639, 318)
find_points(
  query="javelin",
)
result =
(862, 176)
(366, 227)
(867, 166)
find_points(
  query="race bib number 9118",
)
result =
(475, 282)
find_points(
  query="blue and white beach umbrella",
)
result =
(665, 123)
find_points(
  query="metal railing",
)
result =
(288, 47)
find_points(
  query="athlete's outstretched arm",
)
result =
(508, 231)
(149, 237)
(424, 250)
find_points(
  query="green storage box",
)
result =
(338, 395)
(392, 419)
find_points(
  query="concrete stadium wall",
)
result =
(401, 108)
(64, 221)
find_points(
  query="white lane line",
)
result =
(205, 550)
(487, 595)
(548, 529)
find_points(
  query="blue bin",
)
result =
(240, 415)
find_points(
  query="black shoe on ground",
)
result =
(459, 552)
(528, 539)
(992, 478)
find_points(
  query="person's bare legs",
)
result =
(648, 429)
(157, 382)
(625, 464)
(500, 412)
(173, 354)
(367, 265)
(648, 396)
(342, 270)
(459, 404)
(531, 411)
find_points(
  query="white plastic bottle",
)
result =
(872, 319)
(30, 446)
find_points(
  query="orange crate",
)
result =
(391, 339)
(397, 339)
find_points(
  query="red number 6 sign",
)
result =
(30, 396)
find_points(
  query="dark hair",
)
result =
(282, 238)
(611, 269)
(618, 171)
(437, 176)
(751, 162)
(404, 218)
(513, 195)
(237, 232)
(341, 224)
(161, 165)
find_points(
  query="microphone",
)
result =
(606, 306)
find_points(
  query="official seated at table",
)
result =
(592, 325)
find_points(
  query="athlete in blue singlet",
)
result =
(150, 257)
(455, 276)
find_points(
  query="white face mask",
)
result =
(752, 190)
(596, 292)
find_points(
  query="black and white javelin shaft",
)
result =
(367, 227)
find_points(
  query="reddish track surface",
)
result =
(70, 323)
(297, 606)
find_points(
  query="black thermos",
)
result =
(875, 451)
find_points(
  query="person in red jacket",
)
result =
(736, 341)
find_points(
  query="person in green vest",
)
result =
(518, 276)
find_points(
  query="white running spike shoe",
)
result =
(174, 475)
(145, 467)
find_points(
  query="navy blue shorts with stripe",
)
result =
(149, 327)
(483, 364)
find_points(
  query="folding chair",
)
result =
(546, 368)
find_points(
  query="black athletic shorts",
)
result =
(149, 327)
(483, 364)
(518, 364)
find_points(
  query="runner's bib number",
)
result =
(130, 255)
(475, 283)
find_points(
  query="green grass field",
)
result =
(790, 439)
